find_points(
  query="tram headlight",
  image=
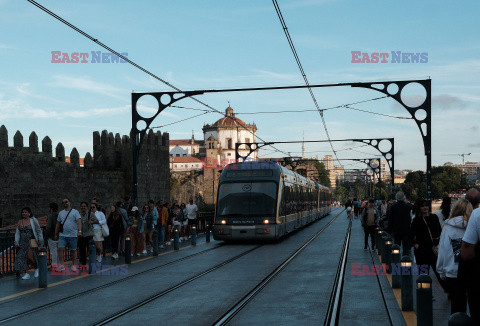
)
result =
(223, 222)
(266, 221)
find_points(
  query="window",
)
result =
(229, 154)
(177, 155)
(244, 199)
(229, 143)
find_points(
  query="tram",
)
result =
(265, 201)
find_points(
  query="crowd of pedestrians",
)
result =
(72, 229)
(446, 242)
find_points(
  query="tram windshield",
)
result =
(242, 199)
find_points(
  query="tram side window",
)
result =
(289, 198)
(282, 209)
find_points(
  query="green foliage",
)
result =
(445, 179)
(323, 174)
(341, 193)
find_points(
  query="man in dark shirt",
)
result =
(400, 221)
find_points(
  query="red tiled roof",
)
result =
(186, 159)
(42, 220)
(229, 121)
(174, 142)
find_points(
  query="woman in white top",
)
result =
(444, 212)
(449, 253)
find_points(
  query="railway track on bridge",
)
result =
(103, 286)
(228, 316)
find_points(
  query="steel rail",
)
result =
(103, 286)
(230, 314)
(333, 311)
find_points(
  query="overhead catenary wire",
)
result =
(106, 47)
(297, 59)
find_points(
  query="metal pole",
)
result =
(395, 267)
(424, 301)
(128, 249)
(194, 235)
(92, 256)
(155, 242)
(42, 268)
(176, 242)
(406, 286)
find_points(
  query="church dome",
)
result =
(229, 120)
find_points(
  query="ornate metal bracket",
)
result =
(388, 155)
(421, 113)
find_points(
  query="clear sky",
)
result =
(225, 44)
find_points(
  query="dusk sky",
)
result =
(233, 44)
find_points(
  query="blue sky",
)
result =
(225, 44)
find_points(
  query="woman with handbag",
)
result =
(28, 236)
(425, 232)
(449, 253)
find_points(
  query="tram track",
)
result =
(233, 311)
(381, 289)
(334, 305)
(160, 294)
(103, 286)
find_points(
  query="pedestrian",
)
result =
(425, 237)
(370, 218)
(116, 227)
(399, 222)
(169, 228)
(185, 221)
(136, 232)
(444, 212)
(356, 207)
(148, 218)
(50, 232)
(127, 221)
(67, 231)
(154, 211)
(87, 218)
(99, 223)
(28, 236)
(163, 221)
(449, 253)
(469, 266)
(100, 208)
(192, 215)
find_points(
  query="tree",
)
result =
(445, 179)
(341, 193)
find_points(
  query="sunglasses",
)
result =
(93, 207)
(65, 202)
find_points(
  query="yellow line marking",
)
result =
(83, 276)
(409, 316)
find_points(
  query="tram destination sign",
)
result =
(249, 173)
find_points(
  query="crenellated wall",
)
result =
(29, 177)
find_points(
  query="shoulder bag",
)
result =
(434, 247)
(60, 229)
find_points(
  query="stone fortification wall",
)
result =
(32, 176)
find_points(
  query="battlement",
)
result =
(109, 151)
(33, 177)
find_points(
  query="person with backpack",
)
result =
(67, 231)
(449, 253)
(469, 266)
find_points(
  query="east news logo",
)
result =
(393, 56)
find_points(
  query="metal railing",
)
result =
(8, 252)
